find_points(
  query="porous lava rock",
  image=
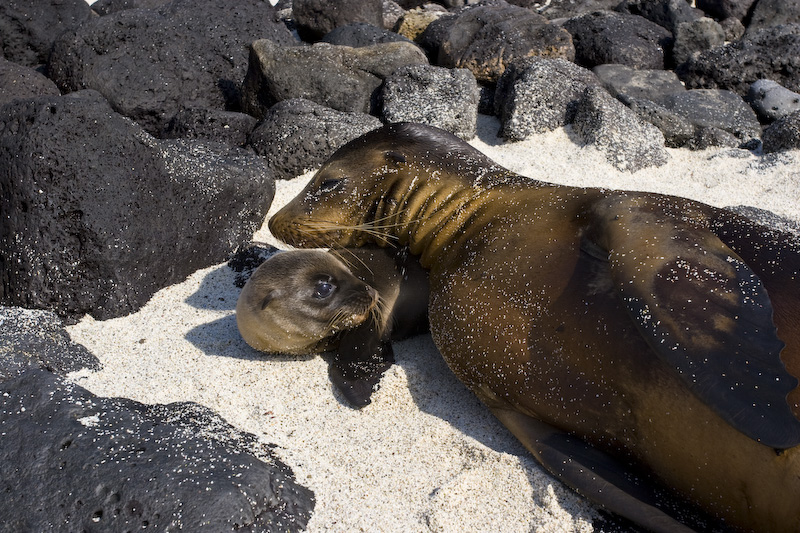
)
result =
(608, 37)
(107, 7)
(151, 63)
(445, 98)
(783, 134)
(769, 13)
(29, 27)
(315, 18)
(677, 130)
(73, 461)
(666, 13)
(723, 9)
(486, 38)
(18, 81)
(358, 34)
(99, 215)
(696, 36)
(227, 127)
(536, 95)
(628, 143)
(298, 135)
(340, 77)
(773, 53)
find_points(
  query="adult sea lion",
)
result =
(629, 340)
(311, 301)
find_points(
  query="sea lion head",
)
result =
(377, 183)
(297, 302)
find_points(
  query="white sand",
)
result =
(425, 455)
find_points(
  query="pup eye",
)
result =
(323, 289)
(330, 185)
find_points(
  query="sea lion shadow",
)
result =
(436, 391)
(221, 337)
(217, 291)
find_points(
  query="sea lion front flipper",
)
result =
(359, 363)
(704, 312)
(591, 472)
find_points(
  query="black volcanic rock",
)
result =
(536, 95)
(710, 108)
(72, 461)
(18, 81)
(359, 34)
(427, 94)
(770, 100)
(298, 135)
(666, 13)
(227, 127)
(629, 143)
(768, 13)
(609, 37)
(723, 9)
(315, 18)
(149, 64)
(487, 37)
(98, 215)
(783, 134)
(29, 27)
(340, 77)
(773, 53)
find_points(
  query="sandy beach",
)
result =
(425, 455)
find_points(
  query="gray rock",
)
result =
(620, 80)
(299, 135)
(767, 218)
(536, 95)
(98, 215)
(486, 38)
(722, 9)
(35, 338)
(733, 28)
(18, 81)
(697, 36)
(107, 7)
(226, 127)
(29, 27)
(783, 134)
(711, 137)
(769, 13)
(392, 13)
(436, 96)
(773, 53)
(315, 18)
(676, 129)
(629, 143)
(72, 461)
(666, 13)
(608, 37)
(561, 9)
(357, 34)
(340, 77)
(710, 108)
(152, 63)
(771, 101)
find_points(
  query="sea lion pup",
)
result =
(629, 340)
(310, 301)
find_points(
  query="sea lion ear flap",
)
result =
(396, 157)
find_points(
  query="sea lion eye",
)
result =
(323, 289)
(330, 185)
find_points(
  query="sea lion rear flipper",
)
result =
(592, 473)
(359, 363)
(704, 312)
